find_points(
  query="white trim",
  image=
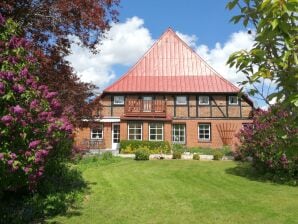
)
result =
(104, 120)
(129, 133)
(162, 132)
(181, 103)
(121, 103)
(201, 103)
(233, 103)
(209, 130)
(100, 127)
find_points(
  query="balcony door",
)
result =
(147, 103)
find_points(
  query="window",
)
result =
(233, 100)
(156, 131)
(204, 132)
(97, 133)
(135, 131)
(178, 133)
(203, 100)
(119, 100)
(181, 100)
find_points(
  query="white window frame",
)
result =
(206, 131)
(97, 133)
(181, 103)
(231, 103)
(156, 128)
(174, 136)
(134, 128)
(202, 103)
(117, 101)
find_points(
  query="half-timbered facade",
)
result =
(170, 94)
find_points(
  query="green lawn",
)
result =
(129, 191)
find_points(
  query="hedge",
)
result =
(130, 146)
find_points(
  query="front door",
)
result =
(115, 135)
(147, 103)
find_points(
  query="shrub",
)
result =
(196, 157)
(130, 146)
(217, 155)
(178, 148)
(142, 154)
(272, 141)
(177, 155)
(107, 155)
(34, 128)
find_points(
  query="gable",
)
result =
(171, 66)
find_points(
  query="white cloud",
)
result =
(190, 40)
(217, 57)
(124, 44)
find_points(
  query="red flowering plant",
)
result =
(32, 121)
(272, 141)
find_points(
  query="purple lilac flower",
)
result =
(34, 144)
(2, 20)
(24, 72)
(51, 95)
(28, 153)
(18, 88)
(18, 110)
(2, 88)
(26, 169)
(1, 156)
(7, 119)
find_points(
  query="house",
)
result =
(170, 94)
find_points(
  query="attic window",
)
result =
(119, 100)
(233, 100)
(181, 100)
(203, 100)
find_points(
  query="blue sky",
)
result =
(204, 25)
(207, 19)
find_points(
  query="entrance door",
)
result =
(147, 103)
(115, 135)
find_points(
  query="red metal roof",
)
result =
(170, 65)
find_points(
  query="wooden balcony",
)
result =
(145, 108)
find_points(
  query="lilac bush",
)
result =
(32, 121)
(272, 141)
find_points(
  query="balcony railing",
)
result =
(145, 108)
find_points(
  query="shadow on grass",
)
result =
(245, 169)
(58, 194)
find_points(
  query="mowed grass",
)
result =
(179, 191)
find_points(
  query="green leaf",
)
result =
(232, 4)
(274, 24)
(265, 4)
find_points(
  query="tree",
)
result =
(48, 25)
(274, 56)
(32, 123)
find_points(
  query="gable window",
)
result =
(119, 100)
(97, 133)
(181, 100)
(233, 100)
(178, 133)
(135, 131)
(203, 100)
(156, 131)
(204, 131)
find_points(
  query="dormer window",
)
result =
(233, 100)
(119, 100)
(203, 100)
(181, 100)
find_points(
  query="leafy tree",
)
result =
(48, 24)
(32, 123)
(274, 56)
